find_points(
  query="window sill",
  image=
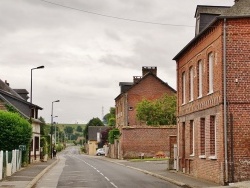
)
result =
(213, 157)
(210, 92)
(199, 97)
(202, 156)
(192, 155)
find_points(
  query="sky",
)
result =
(88, 47)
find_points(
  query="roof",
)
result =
(143, 78)
(93, 130)
(8, 95)
(206, 9)
(238, 10)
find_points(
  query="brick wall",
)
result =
(148, 140)
(211, 104)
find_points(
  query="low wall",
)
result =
(147, 140)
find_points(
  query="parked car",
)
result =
(100, 151)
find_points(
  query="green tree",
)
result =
(79, 128)
(92, 122)
(14, 131)
(109, 118)
(68, 130)
(158, 112)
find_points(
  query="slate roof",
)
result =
(93, 130)
(11, 97)
(205, 9)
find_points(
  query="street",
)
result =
(76, 170)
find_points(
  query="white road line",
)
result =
(96, 170)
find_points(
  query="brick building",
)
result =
(150, 87)
(213, 84)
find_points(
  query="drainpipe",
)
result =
(225, 100)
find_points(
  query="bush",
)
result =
(113, 134)
(14, 131)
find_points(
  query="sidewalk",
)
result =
(28, 176)
(158, 169)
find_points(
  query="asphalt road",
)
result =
(75, 170)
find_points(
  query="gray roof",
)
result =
(205, 9)
(12, 98)
(240, 8)
(93, 130)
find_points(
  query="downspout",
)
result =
(225, 100)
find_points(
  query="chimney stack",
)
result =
(146, 70)
(7, 83)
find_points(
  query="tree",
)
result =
(79, 128)
(158, 112)
(109, 118)
(68, 130)
(14, 131)
(92, 122)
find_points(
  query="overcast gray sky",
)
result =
(86, 55)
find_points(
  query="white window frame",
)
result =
(211, 73)
(200, 78)
(183, 88)
(191, 83)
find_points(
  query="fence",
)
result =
(10, 162)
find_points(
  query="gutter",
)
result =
(225, 101)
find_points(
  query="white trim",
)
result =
(213, 157)
(211, 73)
(200, 78)
(183, 88)
(202, 156)
(191, 82)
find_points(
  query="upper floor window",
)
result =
(199, 85)
(191, 84)
(210, 72)
(202, 137)
(183, 88)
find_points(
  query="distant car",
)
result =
(100, 151)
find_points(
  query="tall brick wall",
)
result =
(147, 140)
(238, 82)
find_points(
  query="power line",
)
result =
(115, 17)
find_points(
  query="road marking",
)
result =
(96, 170)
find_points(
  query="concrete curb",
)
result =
(155, 175)
(36, 179)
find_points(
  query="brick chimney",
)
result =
(146, 70)
(136, 79)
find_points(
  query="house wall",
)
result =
(207, 165)
(147, 140)
(238, 84)
(149, 88)
(92, 146)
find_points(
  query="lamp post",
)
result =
(40, 67)
(52, 125)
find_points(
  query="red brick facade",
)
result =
(136, 137)
(206, 112)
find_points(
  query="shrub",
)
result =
(113, 134)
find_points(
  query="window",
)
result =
(202, 137)
(191, 84)
(210, 72)
(191, 135)
(212, 136)
(199, 78)
(183, 88)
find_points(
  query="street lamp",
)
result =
(52, 126)
(40, 67)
